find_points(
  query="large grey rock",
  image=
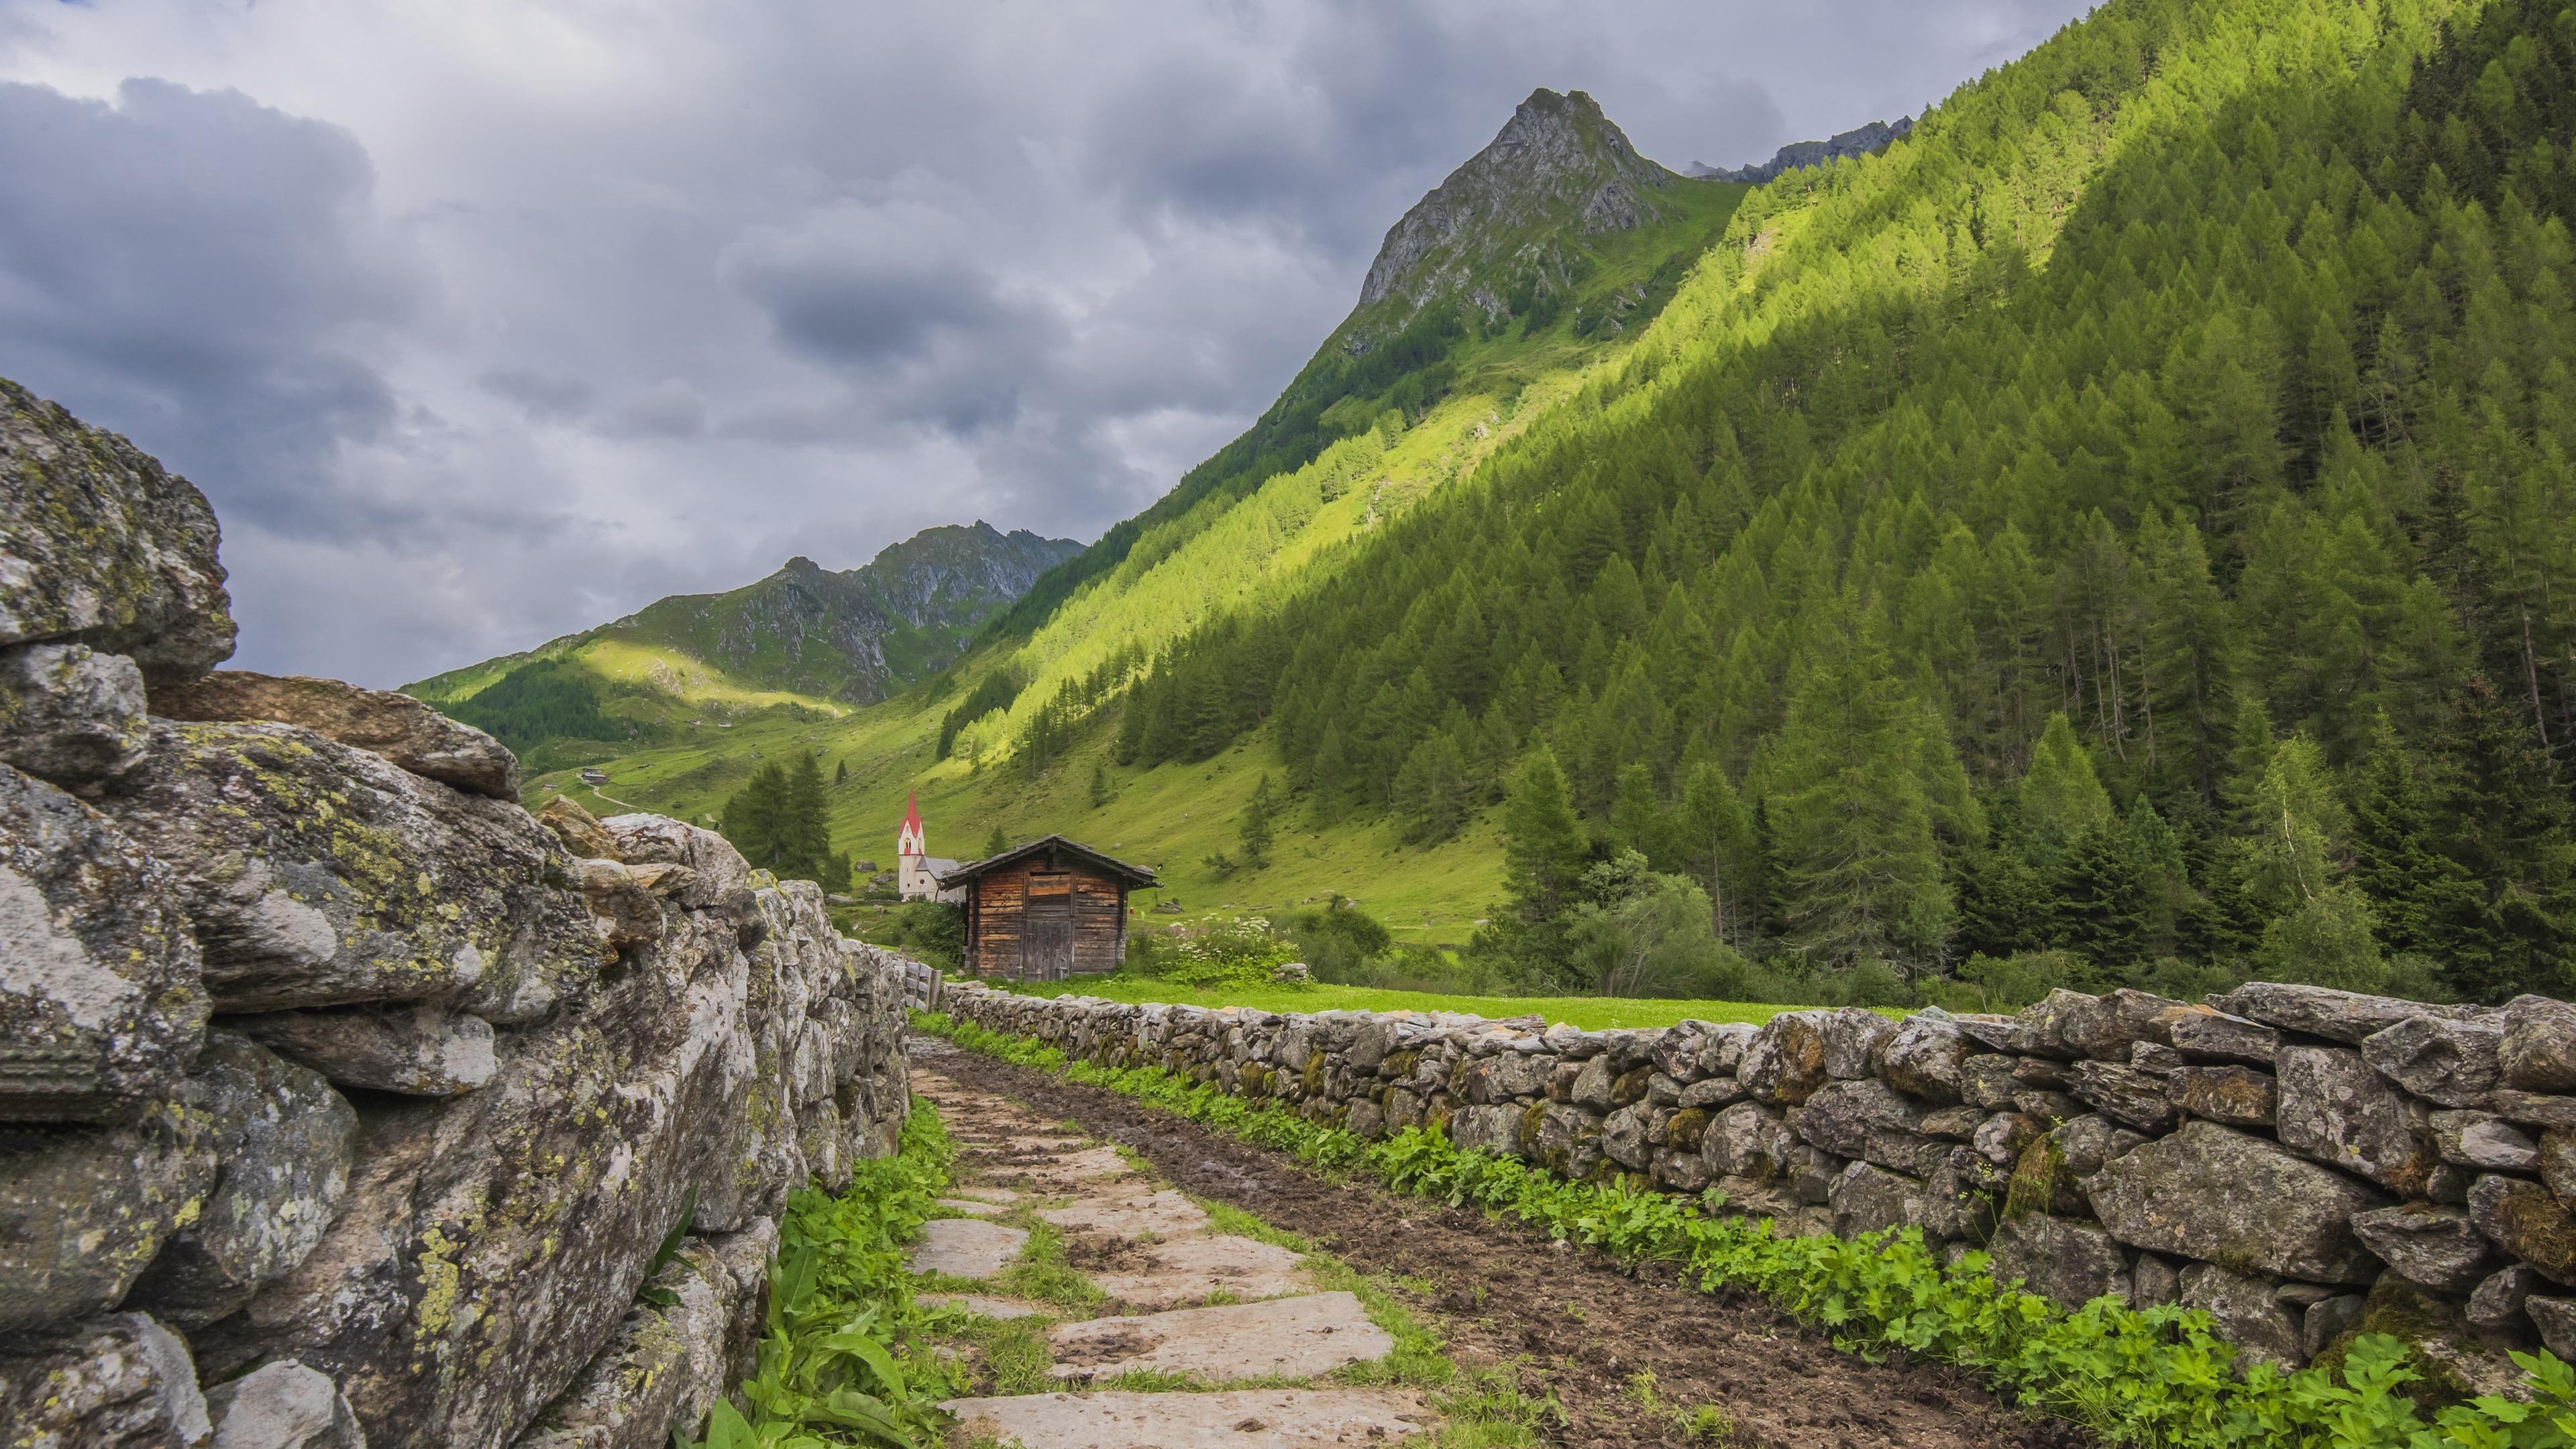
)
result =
(2220, 1195)
(2128, 1095)
(1677, 1048)
(2032, 1032)
(2345, 1016)
(2483, 1140)
(1867, 1198)
(2433, 1245)
(100, 1002)
(1595, 1086)
(118, 1382)
(1855, 1039)
(2050, 1174)
(2497, 1303)
(394, 727)
(1924, 1058)
(2329, 1319)
(2538, 1050)
(2529, 1222)
(2453, 1063)
(282, 1142)
(2067, 1262)
(2236, 1095)
(2558, 1162)
(2336, 1109)
(2556, 1320)
(103, 547)
(1492, 1128)
(1568, 1138)
(2215, 1036)
(1624, 1136)
(1747, 1140)
(672, 1357)
(1785, 1064)
(1721, 1048)
(490, 1243)
(420, 1049)
(283, 1405)
(83, 1210)
(2534, 1109)
(70, 715)
(1986, 1080)
(1868, 1120)
(2106, 1027)
(2248, 1314)
(319, 875)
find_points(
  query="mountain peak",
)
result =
(1559, 164)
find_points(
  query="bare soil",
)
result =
(1567, 1320)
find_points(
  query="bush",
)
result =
(932, 932)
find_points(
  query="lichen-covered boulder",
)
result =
(673, 1356)
(2067, 1262)
(1867, 1198)
(2453, 1063)
(104, 548)
(2483, 1140)
(2248, 1312)
(282, 1142)
(2538, 1050)
(2214, 1036)
(1855, 1038)
(2131, 1096)
(2431, 1244)
(2336, 1109)
(1785, 1063)
(318, 875)
(394, 727)
(1747, 1140)
(1721, 1048)
(115, 1382)
(83, 1210)
(100, 1006)
(2224, 1196)
(70, 715)
(416, 1048)
(2558, 1163)
(2239, 1096)
(1488, 1127)
(2107, 1026)
(2345, 1016)
(1924, 1059)
(2528, 1221)
(1867, 1119)
(283, 1405)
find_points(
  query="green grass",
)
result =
(1593, 1013)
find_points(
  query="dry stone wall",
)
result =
(342, 1100)
(2303, 1163)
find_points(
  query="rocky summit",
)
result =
(343, 1101)
(1558, 166)
(1866, 140)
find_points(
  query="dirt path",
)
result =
(1620, 1353)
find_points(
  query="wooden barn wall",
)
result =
(999, 903)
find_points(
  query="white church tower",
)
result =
(916, 870)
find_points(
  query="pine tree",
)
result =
(2508, 825)
(996, 843)
(1637, 817)
(1255, 836)
(2061, 796)
(1099, 786)
(1543, 845)
(841, 773)
(1712, 843)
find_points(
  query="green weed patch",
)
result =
(2151, 1377)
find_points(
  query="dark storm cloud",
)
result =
(484, 325)
(207, 271)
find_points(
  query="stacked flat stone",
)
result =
(331, 1076)
(2303, 1163)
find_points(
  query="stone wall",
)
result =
(2301, 1162)
(342, 1100)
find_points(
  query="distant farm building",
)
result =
(1045, 911)
(594, 777)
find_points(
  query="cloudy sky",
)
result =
(482, 321)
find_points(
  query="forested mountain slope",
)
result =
(2131, 515)
(804, 635)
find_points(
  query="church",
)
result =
(916, 870)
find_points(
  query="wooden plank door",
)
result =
(1047, 946)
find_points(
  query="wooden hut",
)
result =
(1047, 910)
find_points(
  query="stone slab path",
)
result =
(1240, 1419)
(1180, 1300)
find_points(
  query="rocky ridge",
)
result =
(341, 1099)
(2302, 1163)
(1862, 141)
